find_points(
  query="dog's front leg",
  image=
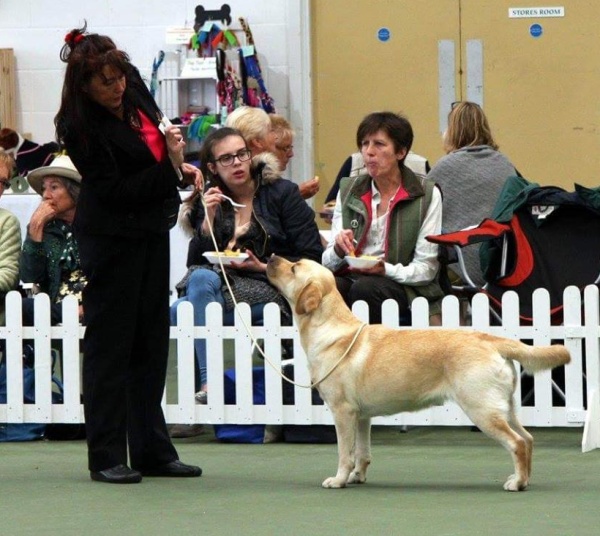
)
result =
(346, 422)
(362, 452)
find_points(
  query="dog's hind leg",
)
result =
(346, 423)
(516, 425)
(362, 452)
(497, 427)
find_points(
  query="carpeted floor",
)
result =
(428, 481)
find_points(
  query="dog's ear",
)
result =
(309, 298)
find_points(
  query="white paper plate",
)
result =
(213, 257)
(360, 262)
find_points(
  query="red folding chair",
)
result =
(549, 238)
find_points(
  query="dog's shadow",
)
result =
(492, 487)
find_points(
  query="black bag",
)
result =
(242, 433)
(20, 431)
(33, 431)
(304, 433)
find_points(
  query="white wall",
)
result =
(35, 29)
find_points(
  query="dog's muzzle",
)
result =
(272, 264)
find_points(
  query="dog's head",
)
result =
(303, 283)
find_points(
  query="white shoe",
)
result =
(201, 397)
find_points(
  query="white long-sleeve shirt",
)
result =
(424, 266)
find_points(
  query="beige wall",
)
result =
(541, 94)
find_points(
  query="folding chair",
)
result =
(540, 237)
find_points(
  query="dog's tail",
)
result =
(533, 358)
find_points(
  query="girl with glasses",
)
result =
(274, 219)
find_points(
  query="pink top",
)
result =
(153, 137)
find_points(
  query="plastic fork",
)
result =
(233, 203)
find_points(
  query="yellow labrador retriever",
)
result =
(388, 371)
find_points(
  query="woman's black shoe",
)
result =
(175, 468)
(119, 474)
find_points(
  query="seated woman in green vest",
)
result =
(386, 213)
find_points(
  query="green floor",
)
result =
(438, 481)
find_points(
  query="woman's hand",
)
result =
(309, 188)
(344, 243)
(192, 175)
(326, 211)
(376, 269)
(41, 216)
(251, 264)
(175, 145)
(212, 199)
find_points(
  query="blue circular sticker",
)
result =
(536, 30)
(383, 34)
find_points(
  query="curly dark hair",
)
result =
(86, 54)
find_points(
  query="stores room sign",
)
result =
(535, 12)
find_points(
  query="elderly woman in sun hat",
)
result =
(50, 256)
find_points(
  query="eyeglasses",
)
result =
(5, 183)
(456, 103)
(227, 159)
(285, 148)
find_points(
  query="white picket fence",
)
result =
(580, 333)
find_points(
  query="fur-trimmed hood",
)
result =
(265, 167)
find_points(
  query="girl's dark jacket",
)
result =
(286, 223)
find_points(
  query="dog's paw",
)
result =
(356, 477)
(333, 483)
(513, 483)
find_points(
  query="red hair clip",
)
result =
(74, 37)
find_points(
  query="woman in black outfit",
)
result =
(130, 162)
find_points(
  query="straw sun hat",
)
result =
(61, 166)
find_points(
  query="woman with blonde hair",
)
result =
(255, 126)
(471, 174)
(467, 127)
(284, 151)
(10, 236)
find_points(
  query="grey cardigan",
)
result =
(471, 179)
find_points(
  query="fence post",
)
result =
(14, 358)
(591, 431)
(573, 340)
(72, 333)
(184, 335)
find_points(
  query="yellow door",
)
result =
(539, 85)
(357, 71)
(541, 94)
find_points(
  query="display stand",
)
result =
(188, 78)
(213, 70)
